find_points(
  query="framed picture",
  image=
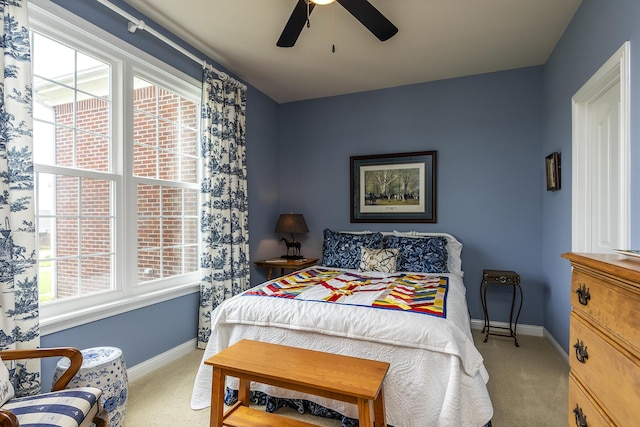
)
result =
(394, 187)
(552, 163)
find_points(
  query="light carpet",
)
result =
(527, 385)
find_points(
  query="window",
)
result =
(165, 168)
(74, 183)
(116, 170)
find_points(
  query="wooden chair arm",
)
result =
(7, 419)
(74, 355)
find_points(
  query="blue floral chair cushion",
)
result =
(342, 250)
(422, 255)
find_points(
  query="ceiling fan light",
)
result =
(322, 2)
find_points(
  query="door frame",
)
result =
(617, 69)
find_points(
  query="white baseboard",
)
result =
(157, 362)
(557, 347)
(536, 331)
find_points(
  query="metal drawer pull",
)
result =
(581, 351)
(581, 419)
(583, 294)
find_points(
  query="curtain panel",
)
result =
(19, 311)
(224, 259)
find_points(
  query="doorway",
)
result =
(601, 160)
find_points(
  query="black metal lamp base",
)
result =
(291, 257)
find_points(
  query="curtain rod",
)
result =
(138, 24)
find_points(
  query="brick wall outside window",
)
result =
(84, 224)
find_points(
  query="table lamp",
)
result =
(291, 223)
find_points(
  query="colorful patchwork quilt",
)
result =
(418, 293)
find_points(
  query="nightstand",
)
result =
(500, 278)
(285, 264)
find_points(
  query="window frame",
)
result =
(127, 62)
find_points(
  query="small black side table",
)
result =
(504, 278)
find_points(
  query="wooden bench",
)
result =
(349, 379)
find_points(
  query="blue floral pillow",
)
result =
(422, 255)
(342, 250)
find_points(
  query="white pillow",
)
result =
(6, 388)
(382, 260)
(454, 248)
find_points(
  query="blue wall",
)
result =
(597, 31)
(509, 121)
(487, 130)
(141, 334)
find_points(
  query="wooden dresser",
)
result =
(604, 352)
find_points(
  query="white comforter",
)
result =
(436, 377)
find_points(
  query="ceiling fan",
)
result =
(362, 10)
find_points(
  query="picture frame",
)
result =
(398, 187)
(552, 167)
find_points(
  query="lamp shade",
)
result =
(291, 223)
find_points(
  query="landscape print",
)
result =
(394, 188)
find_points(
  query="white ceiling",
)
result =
(437, 39)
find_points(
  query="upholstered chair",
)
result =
(76, 407)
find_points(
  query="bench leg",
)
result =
(378, 409)
(364, 413)
(217, 398)
(243, 391)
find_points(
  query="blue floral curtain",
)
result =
(19, 312)
(224, 260)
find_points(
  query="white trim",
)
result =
(557, 348)
(532, 330)
(616, 69)
(159, 361)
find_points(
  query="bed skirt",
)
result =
(272, 404)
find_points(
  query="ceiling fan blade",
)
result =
(295, 24)
(371, 18)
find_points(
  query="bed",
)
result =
(395, 297)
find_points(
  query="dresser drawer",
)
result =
(608, 373)
(580, 401)
(612, 307)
